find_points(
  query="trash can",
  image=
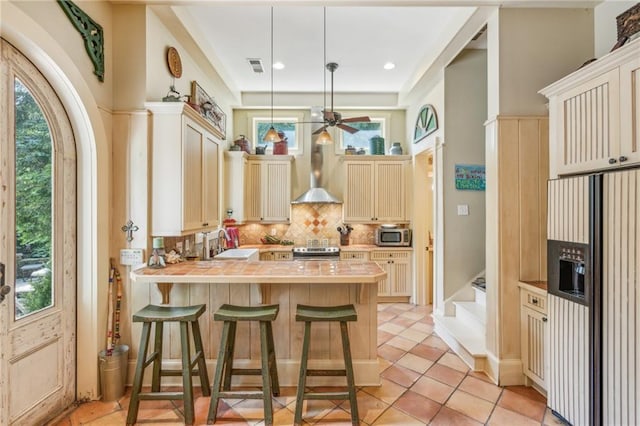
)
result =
(113, 372)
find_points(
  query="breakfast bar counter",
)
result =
(320, 283)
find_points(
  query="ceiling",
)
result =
(360, 39)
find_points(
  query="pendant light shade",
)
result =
(272, 134)
(324, 138)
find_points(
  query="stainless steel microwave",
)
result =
(393, 237)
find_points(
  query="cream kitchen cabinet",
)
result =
(533, 330)
(276, 255)
(259, 187)
(184, 171)
(594, 115)
(397, 265)
(354, 255)
(376, 189)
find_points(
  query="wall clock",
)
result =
(174, 62)
(426, 123)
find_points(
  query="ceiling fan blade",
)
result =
(317, 132)
(347, 128)
(356, 120)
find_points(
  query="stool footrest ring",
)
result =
(327, 395)
(326, 372)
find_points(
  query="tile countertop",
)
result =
(351, 247)
(540, 285)
(231, 271)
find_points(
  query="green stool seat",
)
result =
(158, 315)
(342, 314)
(221, 388)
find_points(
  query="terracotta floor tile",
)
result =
(471, 406)
(401, 343)
(402, 307)
(419, 326)
(417, 406)
(336, 417)
(414, 316)
(390, 353)
(287, 395)
(521, 404)
(401, 321)
(396, 418)
(502, 417)
(387, 392)
(314, 410)
(87, 412)
(120, 418)
(481, 389)
(427, 352)
(384, 336)
(400, 375)
(383, 364)
(385, 316)
(453, 361)
(446, 375)
(449, 417)
(415, 363)
(479, 375)
(392, 328)
(436, 342)
(432, 389)
(528, 392)
(415, 335)
(369, 407)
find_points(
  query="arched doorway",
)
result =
(38, 248)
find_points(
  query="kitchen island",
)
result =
(285, 283)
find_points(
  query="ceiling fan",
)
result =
(334, 118)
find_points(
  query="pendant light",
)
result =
(272, 134)
(324, 138)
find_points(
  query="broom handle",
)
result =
(116, 336)
(110, 315)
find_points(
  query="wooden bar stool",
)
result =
(309, 314)
(158, 315)
(231, 314)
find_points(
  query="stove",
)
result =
(316, 253)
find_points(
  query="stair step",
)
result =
(472, 312)
(467, 342)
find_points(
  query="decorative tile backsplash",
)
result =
(309, 221)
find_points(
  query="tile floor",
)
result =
(423, 382)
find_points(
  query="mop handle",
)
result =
(116, 336)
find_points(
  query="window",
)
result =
(288, 125)
(361, 139)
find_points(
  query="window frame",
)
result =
(287, 117)
(385, 132)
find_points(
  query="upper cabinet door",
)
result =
(630, 112)
(193, 200)
(276, 190)
(390, 192)
(588, 131)
(358, 193)
(211, 183)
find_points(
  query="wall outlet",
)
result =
(273, 231)
(131, 257)
(463, 210)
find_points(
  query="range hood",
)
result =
(316, 193)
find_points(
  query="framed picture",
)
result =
(470, 177)
(209, 109)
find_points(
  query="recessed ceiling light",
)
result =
(278, 66)
(389, 66)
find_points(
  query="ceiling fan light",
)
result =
(324, 138)
(271, 135)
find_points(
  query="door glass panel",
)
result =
(33, 220)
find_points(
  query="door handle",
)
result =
(4, 289)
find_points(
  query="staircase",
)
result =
(463, 327)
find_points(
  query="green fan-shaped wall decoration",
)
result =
(426, 123)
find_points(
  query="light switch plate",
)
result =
(131, 256)
(463, 210)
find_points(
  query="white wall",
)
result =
(465, 88)
(605, 24)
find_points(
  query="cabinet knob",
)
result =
(205, 224)
(544, 319)
(612, 161)
(534, 301)
(622, 159)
